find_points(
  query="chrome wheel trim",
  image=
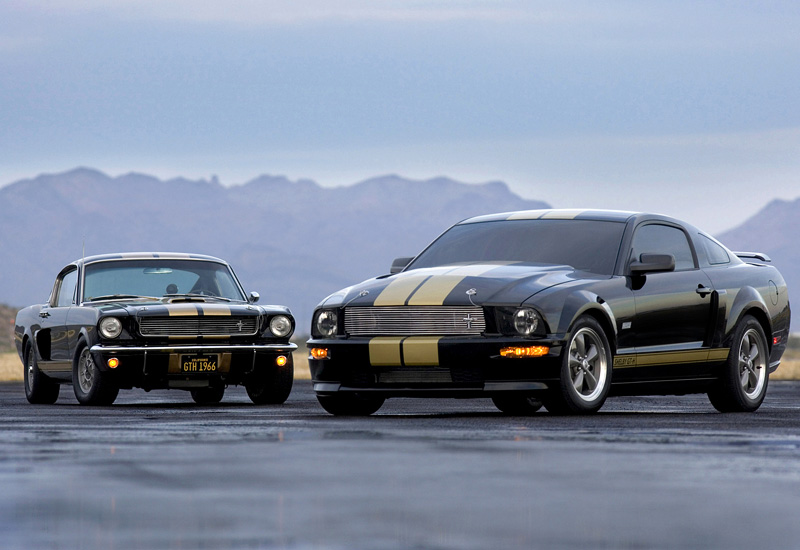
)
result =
(752, 364)
(588, 364)
(86, 371)
(29, 373)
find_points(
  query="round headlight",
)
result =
(280, 326)
(526, 321)
(110, 327)
(327, 323)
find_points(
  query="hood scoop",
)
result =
(186, 299)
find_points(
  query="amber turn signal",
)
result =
(281, 360)
(113, 363)
(319, 353)
(528, 351)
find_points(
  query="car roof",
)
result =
(557, 214)
(147, 256)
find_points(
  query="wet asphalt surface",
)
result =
(157, 471)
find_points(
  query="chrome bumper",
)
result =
(99, 348)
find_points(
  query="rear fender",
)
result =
(748, 301)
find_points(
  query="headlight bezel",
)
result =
(110, 327)
(326, 323)
(276, 330)
(526, 321)
(522, 321)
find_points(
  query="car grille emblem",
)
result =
(469, 319)
(240, 324)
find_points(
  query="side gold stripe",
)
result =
(718, 354)
(665, 358)
(217, 310)
(183, 310)
(421, 350)
(672, 358)
(436, 289)
(385, 351)
(397, 292)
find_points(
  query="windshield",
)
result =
(158, 278)
(585, 245)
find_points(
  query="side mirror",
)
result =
(254, 297)
(400, 264)
(653, 263)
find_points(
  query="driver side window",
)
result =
(66, 290)
(663, 239)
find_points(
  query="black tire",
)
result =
(208, 396)
(745, 376)
(585, 375)
(39, 389)
(351, 404)
(91, 385)
(273, 385)
(517, 405)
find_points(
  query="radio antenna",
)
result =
(79, 297)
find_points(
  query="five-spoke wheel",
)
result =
(585, 375)
(743, 383)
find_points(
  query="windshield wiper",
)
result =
(109, 297)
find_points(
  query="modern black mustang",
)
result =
(556, 307)
(154, 321)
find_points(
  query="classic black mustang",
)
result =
(154, 321)
(556, 307)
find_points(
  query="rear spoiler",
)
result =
(753, 256)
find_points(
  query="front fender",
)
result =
(561, 315)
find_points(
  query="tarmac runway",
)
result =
(157, 471)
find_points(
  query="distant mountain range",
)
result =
(294, 242)
(774, 230)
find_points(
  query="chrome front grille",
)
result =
(413, 320)
(186, 327)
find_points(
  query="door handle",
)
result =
(704, 290)
(43, 314)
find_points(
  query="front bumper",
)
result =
(159, 366)
(431, 366)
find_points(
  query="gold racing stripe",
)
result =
(666, 358)
(435, 290)
(384, 351)
(672, 357)
(421, 351)
(396, 292)
(216, 309)
(183, 310)
(719, 354)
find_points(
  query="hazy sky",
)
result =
(686, 108)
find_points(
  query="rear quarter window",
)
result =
(716, 253)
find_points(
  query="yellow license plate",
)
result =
(199, 364)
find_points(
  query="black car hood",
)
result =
(172, 307)
(487, 283)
